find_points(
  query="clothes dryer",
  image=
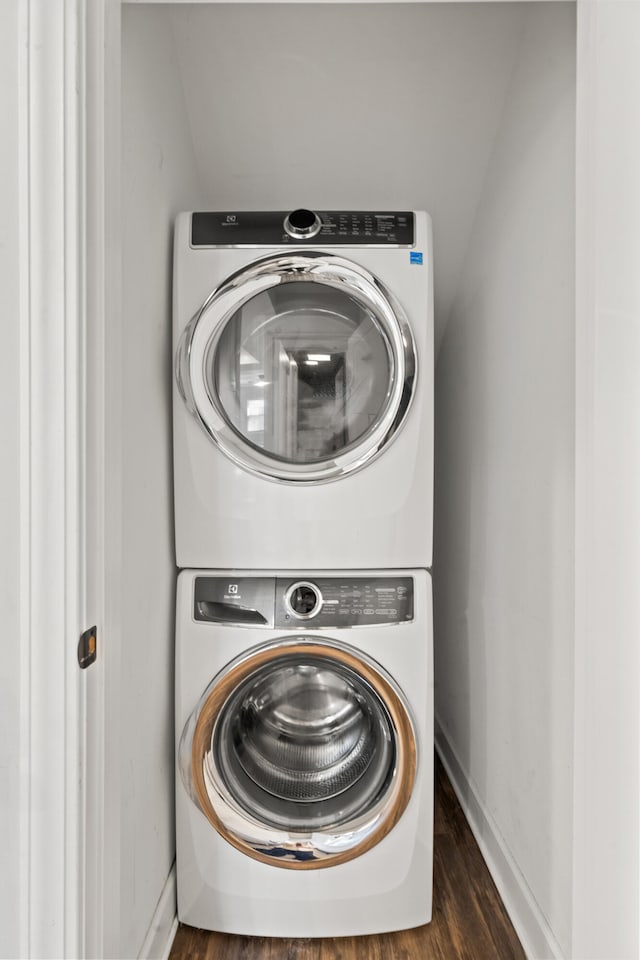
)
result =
(304, 787)
(303, 401)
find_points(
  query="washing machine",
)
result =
(303, 394)
(304, 784)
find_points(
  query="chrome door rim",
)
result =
(204, 330)
(323, 847)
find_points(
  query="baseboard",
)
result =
(535, 935)
(162, 929)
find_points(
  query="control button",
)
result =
(302, 224)
(303, 600)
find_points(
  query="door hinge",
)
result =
(87, 647)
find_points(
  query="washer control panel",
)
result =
(347, 601)
(293, 602)
(387, 228)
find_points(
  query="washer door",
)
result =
(301, 367)
(301, 753)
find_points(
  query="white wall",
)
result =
(158, 179)
(504, 528)
(349, 106)
(11, 720)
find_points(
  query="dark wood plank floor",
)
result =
(469, 920)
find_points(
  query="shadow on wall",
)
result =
(504, 531)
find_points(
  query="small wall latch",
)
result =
(87, 647)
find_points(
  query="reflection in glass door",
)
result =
(302, 371)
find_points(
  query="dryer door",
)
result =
(300, 367)
(301, 753)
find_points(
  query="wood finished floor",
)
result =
(469, 920)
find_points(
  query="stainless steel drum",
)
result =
(301, 751)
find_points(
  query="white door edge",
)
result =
(606, 827)
(101, 138)
(51, 462)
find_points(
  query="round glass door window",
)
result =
(304, 744)
(303, 755)
(297, 372)
(301, 371)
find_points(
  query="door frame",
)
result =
(67, 251)
(52, 532)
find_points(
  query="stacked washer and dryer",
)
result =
(303, 442)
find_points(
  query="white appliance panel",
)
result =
(378, 515)
(386, 888)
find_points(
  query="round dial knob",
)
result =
(302, 224)
(303, 600)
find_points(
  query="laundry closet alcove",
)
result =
(498, 119)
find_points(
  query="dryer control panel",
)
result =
(295, 602)
(320, 227)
